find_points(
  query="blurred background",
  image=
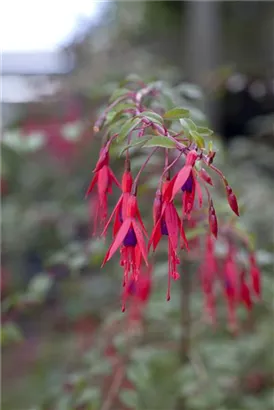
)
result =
(60, 61)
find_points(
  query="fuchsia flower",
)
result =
(167, 222)
(104, 177)
(186, 181)
(131, 241)
(232, 277)
(119, 212)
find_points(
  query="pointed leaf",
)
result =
(119, 93)
(138, 142)
(152, 116)
(197, 138)
(128, 126)
(160, 141)
(176, 114)
(204, 131)
(188, 125)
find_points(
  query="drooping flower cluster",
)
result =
(239, 282)
(138, 125)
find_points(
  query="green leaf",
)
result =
(204, 131)
(116, 125)
(128, 126)
(188, 125)
(160, 141)
(152, 116)
(119, 93)
(198, 139)
(129, 398)
(136, 143)
(124, 106)
(176, 114)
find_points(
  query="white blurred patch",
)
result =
(257, 90)
(236, 83)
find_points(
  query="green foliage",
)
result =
(176, 114)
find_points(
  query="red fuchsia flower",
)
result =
(167, 222)
(186, 181)
(119, 212)
(131, 240)
(104, 177)
(232, 200)
(255, 275)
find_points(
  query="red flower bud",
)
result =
(212, 219)
(204, 175)
(232, 200)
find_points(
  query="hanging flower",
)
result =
(131, 241)
(167, 222)
(103, 178)
(119, 212)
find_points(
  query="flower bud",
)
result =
(232, 200)
(204, 175)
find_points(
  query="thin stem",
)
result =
(219, 173)
(171, 164)
(142, 168)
